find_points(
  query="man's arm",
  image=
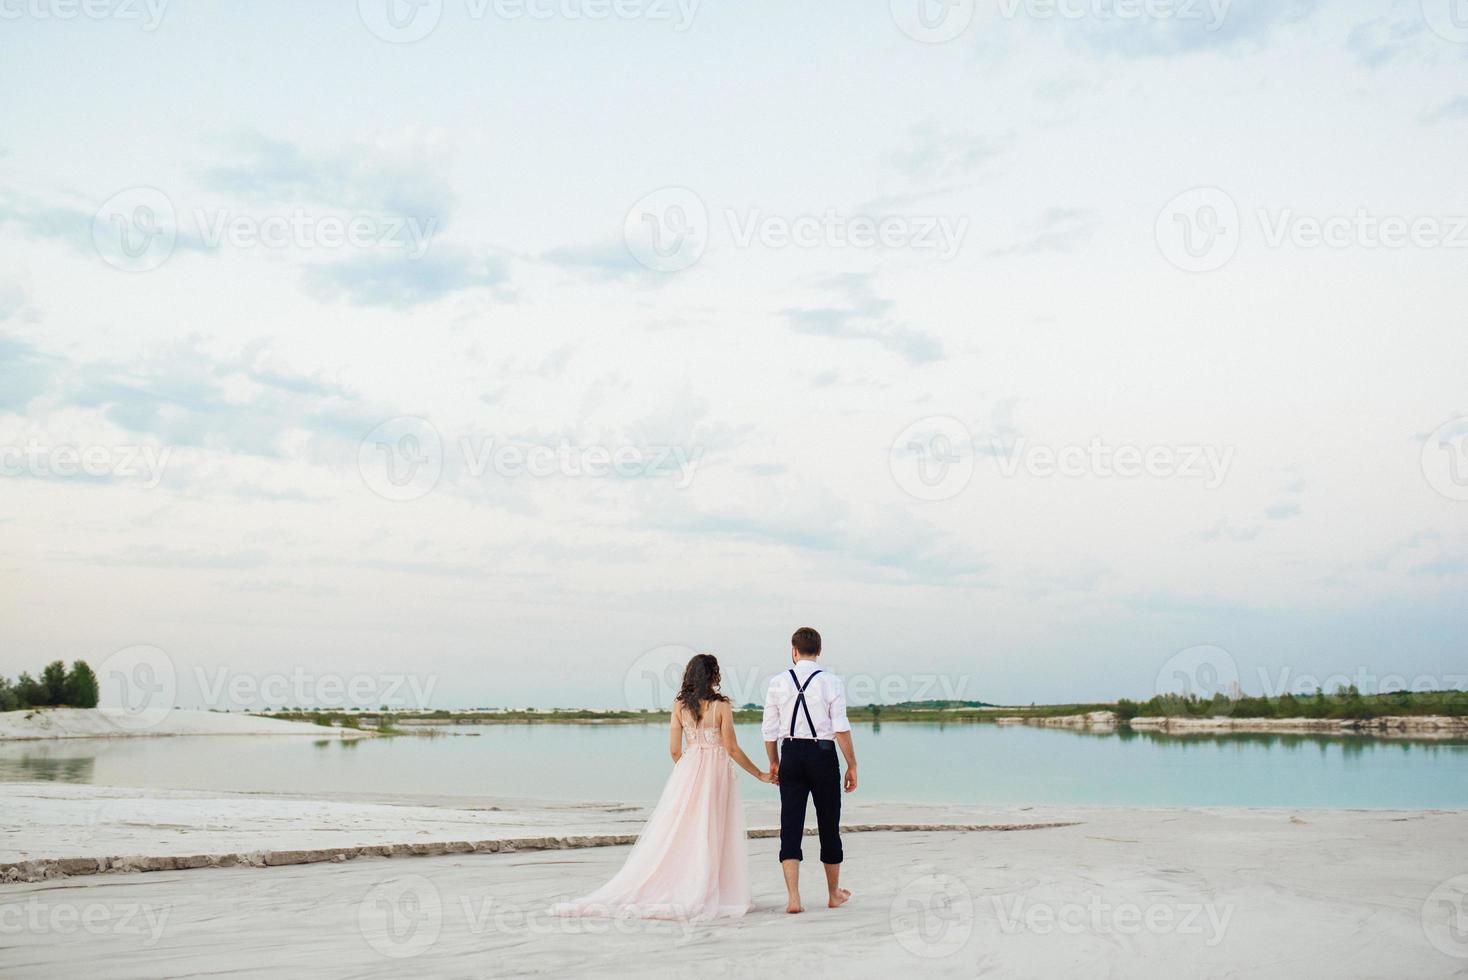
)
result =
(843, 739)
(770, 729)
(842, 729)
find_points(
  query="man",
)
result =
(805, 719)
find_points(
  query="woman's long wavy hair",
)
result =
(700, 684)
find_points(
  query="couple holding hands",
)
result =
(690, 862)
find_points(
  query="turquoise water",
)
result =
(919, 763)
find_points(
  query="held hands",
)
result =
(774, 774)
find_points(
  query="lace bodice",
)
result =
(695, 737)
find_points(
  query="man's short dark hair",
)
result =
(807, 641)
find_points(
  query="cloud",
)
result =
(1442, 566)
(399, 281)
(1057, 230)
(603, 260)
(1379, 42)
(1060, 89)
(932, 153)
(1085, 577)
(13, 301)
(1410, 543)
(36, 220)
(1288, 507)
(394, 180)
(1209, 25)
(863, 316)
(1000, 435)
(156, 557)
(73, 225)
(892, 544)
(1233, 532)
(394, 176)
(1283, 510)
(185, 398)
(24, 373)
(554, 364)
(1452, 109)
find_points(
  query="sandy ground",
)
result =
(55, 820)
(59, 820)
(44, 723)
(1175, 893)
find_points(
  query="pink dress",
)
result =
(690, 861)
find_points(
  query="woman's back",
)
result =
(703, 732)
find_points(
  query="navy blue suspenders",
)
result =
(800, 703)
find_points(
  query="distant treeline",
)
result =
(1345, 703)
(58, 687)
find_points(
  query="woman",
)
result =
(689, 861)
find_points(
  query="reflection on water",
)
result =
(1284, 741)
(913, 762)
(41, 766)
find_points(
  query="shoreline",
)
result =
(46, 869)
(49, 724)
(1388, 726)
(43, 724)
(50, 830)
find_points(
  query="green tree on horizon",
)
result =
(81, 686)
(29, 691)
(57, 688)
(53, 679)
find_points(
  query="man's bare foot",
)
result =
(839, 897)
(794, 906)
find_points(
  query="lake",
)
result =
(906, 762)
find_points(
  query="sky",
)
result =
(467, 353)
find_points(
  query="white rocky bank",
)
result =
(1426, 726)
(44, 723)
(1417, 726)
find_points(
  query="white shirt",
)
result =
(825, 699)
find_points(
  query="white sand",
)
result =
(41, 723)
(1226, 893)
(1174, 893)
(54, 820)
(41, 821)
